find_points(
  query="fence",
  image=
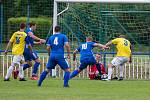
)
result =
(138, 69)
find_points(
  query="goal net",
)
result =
(105, 21)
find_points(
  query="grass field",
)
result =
(79, 90)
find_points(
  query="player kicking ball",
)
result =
(55, 48)
(123, 55)
(86, 55)
(18, 41)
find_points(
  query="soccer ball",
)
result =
(104, 76)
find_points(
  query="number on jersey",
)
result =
(17, 40)
(125, 42)
(84, 46)
(56, 41)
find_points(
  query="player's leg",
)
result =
(123, 60)
(36, 65)
(82, 66)
(50, 65)
(9, 71)
(63, 63)
(28, 60)
(27, 64)
(21, 72)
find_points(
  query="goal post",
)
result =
(92, 1)
(104, 19)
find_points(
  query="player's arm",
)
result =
(108, 44)
(36, 38)
(7, 47)
(67, 46)
(100, 45)
(9, 43)
(28, 43)
(130, 58)
(74, 54)
(48, 49)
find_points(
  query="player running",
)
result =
(86, 55)
(31, 56)
(55, 48)
(123, 55)
(18, 41)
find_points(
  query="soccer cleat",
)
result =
(115, 78)
(22, 79)
(6, 79)
(15, 73)
(120, 78)
(34, 77)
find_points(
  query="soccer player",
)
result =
(55, 48)
(31, 56)
(18, 41)
(123, 55)
(86, 55)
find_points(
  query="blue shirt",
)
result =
(57, 42)
(30, 38)
(86, 50)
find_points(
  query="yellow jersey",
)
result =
(18, 40)
(123, 47)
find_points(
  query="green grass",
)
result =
(79, 90)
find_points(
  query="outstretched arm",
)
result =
(100, 45)
(36, 38)
(108, 44)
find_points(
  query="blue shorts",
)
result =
(87, 61)
(54, 60)
(28, 56)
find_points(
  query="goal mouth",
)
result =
(105, 21)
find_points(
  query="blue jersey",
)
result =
(30, 38)
(57, 42)
(86, 50)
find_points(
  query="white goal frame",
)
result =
(55, 13)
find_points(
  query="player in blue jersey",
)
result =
(55, 48)
(86, 55)
(31, 56)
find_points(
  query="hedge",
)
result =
(43, 25)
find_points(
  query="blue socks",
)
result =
(66, 79)
(74, 73)
(42, 77)
(25, 66)
(36, 66)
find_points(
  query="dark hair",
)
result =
(22, 25)
(57, 28)
(99, 53)
(32, 24)
(122, 36)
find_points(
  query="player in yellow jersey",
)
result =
(124, 55)
(18, 41)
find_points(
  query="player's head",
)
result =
(22, 26)
(122, 36)
(32, 26)
(88, 39)
(98, 56)
(57, 29)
